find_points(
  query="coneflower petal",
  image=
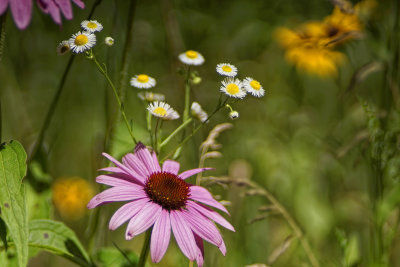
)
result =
(126, 212)
(202, 195)
(143, 220)
(171, 166)
(160, 236)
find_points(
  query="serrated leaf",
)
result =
(12, 196)
(57, 238)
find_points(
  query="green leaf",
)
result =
(57, 238)
(12, 196)
(3, 233)
(112, 257)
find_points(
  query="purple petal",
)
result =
(22, 12)
(136, 166)
(126, 212)
(144, 155)
(117, 163)
(112, 169)
(118, 180)
(201, 194)
(160, 236)
(79, 3)
(54, 12)
(192, 172)
(143, 220)
(183, 235)
(156, 163)
(66, 8)
(200, 253)
(171, 166)
(203, 227)
(213, 215)
(3, 6)
(118, 193)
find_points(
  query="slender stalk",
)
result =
(56, 98)
(145, 249)
(120, 104)
(1, 123)
(155, 135)
(292, 223)
(2, 34)
(177, 130)
(148, 120)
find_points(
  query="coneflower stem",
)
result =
(145, 249)
(121, 107)
(148, 120)
(155, 135)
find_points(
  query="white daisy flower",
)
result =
(233, 88)
(253, 87)
(143, 81)
(82, 41)
(63, 47)
(233, 115)
(227, 69)
(163, 111)
(150, 96)
(91, 26)
(198, 112)
(191, 57)
(109, 41)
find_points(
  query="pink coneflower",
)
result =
(22, 9)
(161, 198)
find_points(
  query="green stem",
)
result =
(145, 249)
(219, 106)
(155, 135)
(121, 106)
(148, 120)
(1, 122)
(177, 130)
(2, 34)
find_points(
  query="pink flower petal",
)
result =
(118, 180)
(143, 220)
(171, 166)
(183, 235)
(112, 169)
(136, 166)
(117, 172)
(160, 236)
(144, 155)
(117, 163)
(203, 227)
(21, 11)
(126, 212)
(118, 193)
(213, 215)
(200, 252)
(156, 163)
(201, 194)
(79, 3)
(3, 6)
(65, 7)
(192, 172)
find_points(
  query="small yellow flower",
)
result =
(70, 196)
(82, 41)
(162, 110)
(143, 81)
(91, 26)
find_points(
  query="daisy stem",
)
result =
(148, 120)
(177, 130)
(145, 249)
(121, 106)
(219, 106)
(155, 135)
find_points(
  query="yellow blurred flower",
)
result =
(315, 59)
(70, 196)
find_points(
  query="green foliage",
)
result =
(12, 196)
(57, 238)
(113, 257)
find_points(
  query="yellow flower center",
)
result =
(81, 39)
(160, 111)
(191, 54)
(226, 68)
(232, 89)
(255, 85)
(92, 25)
(142, 78)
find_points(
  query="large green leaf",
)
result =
(57, 238)
(12, 196)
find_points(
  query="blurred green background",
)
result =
(306, 141)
